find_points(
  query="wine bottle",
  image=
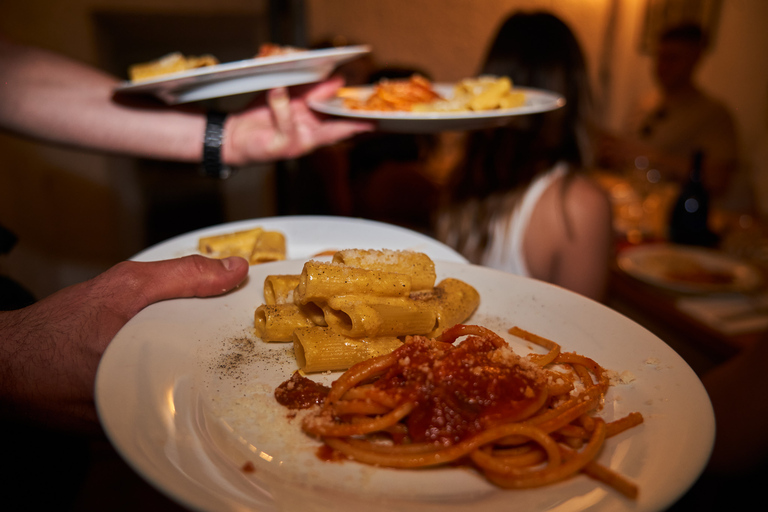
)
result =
(690, 212)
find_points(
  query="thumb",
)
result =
(190, 276)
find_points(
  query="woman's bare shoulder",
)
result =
(579, 197)
(585, 199)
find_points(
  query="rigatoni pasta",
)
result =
(269, 246)
(453, 301)
(320, 280)
(321, 349)
(355, 315)
(277, 322)
(278, 289)
(363, 302)
(256, 245)
(239, 243)
(418, 265)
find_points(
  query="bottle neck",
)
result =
(696, 162)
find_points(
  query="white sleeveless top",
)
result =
(505, 249)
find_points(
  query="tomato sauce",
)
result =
(299, 392)
(460, 391)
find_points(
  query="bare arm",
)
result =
(55, 99)
(49, 351)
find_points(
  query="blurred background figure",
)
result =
(519, 201)
(677, 119)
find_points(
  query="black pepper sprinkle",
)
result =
(238, 354)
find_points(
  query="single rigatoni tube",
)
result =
(239, 243)
(320, 349)
(322, 280)
(277, 322)
(269, 246)
(360, 315)
(278, 288)
(418, 265)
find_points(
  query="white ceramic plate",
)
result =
(689, 269)
(309, 235)
(185, 393)
(247, 75)
(536, 101)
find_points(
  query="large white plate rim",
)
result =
(122, 359)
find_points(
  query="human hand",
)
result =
(285, 127)
(49, 351)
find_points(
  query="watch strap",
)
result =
(212, 142)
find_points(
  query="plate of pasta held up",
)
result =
(384, 379)
(417, 105)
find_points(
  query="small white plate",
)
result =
(309, 235)
(185, 393)
(536, 101)
(247, 75)
(689, 269)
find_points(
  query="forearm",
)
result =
(55, 99)
(51, 98)
(49, 351)
(34, 383)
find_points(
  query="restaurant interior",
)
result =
(76, 213)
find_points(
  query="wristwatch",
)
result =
(213, 167)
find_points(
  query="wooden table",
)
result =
(641, 218)
(655, 308)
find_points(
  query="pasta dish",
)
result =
(393, 95)
(359, 305)
(177, 62)
(174, 62)
(466, 398)
(417, 94)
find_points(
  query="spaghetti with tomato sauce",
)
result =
(467, 398)
(458, 391)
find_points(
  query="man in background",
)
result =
(678, 119)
